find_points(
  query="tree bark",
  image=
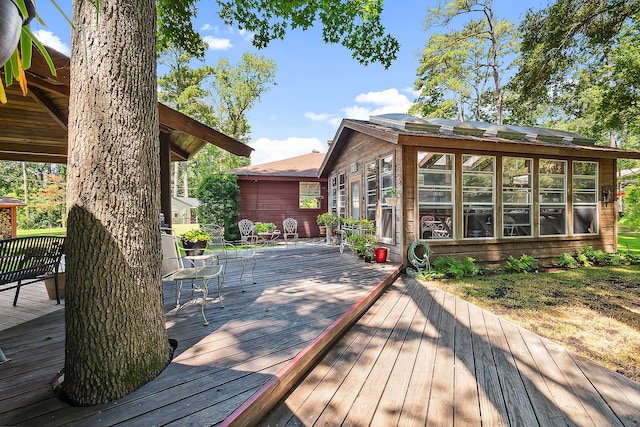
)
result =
(116, 339)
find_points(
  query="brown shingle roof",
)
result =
(306, 165)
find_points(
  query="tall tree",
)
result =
(564, 37)
(219, 96)
(463, 62)
(581, 58)
(235, 90)
(115, 332)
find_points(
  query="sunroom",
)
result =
(475, 189)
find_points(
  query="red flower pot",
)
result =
(380, 254)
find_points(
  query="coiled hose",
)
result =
(418, 263)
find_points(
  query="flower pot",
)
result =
(323, 230)
(367, 258)
(380, 254)
(392, 201)
(50, 284)
(11, 23)
(194, 248)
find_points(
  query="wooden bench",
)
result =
(25, 260)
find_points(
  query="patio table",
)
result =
(269, 238)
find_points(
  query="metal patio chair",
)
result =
(176, 268)
(290, 230)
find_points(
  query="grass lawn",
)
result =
(594, 312)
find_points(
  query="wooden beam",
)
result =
(178, 121)
(41, 98)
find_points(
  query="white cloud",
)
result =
(368, 104)
(247, 35)
(50, 39)
(217, 44)
(386, 97)
(270, 150)
(322, 117)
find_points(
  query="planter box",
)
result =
(51, 286)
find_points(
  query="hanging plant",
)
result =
(16, 57)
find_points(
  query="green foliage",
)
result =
(524, 264)
(567, 261)
(632, 206)
(450, 267)
(236, 89)
(175, 27)
(354, 24)
(263, 227)
(328, 219)
(565, 36)
(219, 203)
(460, 71)
(196, 235)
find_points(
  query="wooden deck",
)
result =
(421, 356)
(300, 291)
(417, 356)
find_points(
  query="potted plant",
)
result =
(195, 241)
(321, 221)
(392, 196)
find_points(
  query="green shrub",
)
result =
(567, 261)
(524, 264)
(219, 197)
(450, 267)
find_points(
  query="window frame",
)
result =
(514, 210)
(309, 195)
(582, 205)
(428, 219)
(551, 206)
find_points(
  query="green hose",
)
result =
(418, 263)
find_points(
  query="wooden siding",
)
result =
(361, 149)
(275, 200)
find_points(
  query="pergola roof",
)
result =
(34, 127)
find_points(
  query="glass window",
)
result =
(436, 195)
(517, 188)
(342, 196)
(478, 189)
(386, 177)
(309, 195)
(371, 172)
(585, 197)
(553, 197)
(333, 194)
(387, 181)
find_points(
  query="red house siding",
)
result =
(272, 199)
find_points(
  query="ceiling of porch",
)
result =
(34, 127)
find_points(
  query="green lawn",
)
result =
(630, 239)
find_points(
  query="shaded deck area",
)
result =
(417, 355)
(300, 291)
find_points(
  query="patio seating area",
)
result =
(416, 355)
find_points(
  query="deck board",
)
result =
(469, 368)
(299, 292)
(417, 355)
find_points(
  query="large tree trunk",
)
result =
(115, 332)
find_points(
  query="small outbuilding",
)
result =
(475, 189)
(184, 210)
(8, 216)
(271, 192)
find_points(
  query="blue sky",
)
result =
(317, 84)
